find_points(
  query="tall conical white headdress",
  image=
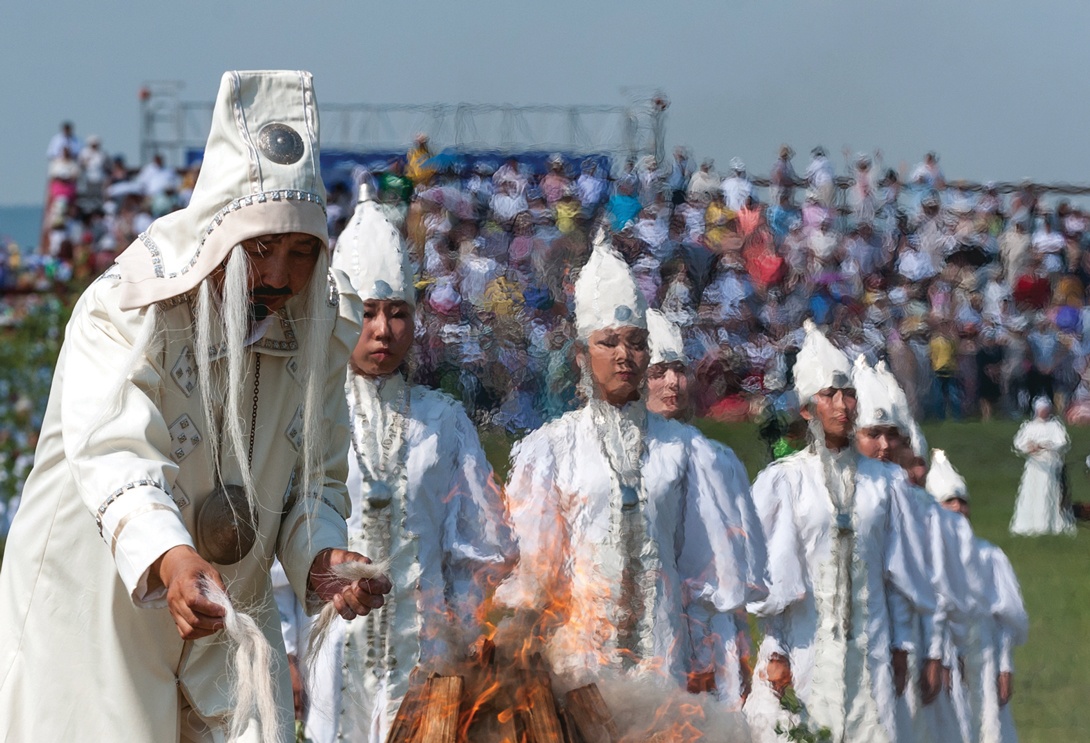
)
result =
(819, 365)
(943, 481)
(901, 410)
(606, 295)
(371, 252)
(260, 176)
(874, 407)
(664, 338)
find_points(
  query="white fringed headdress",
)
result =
(901, 411)
(943, 481)
(664, 338)
(874, 407)
(606, 295)
(371, 252)
(260, 176)
(819, 365)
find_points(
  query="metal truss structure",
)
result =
(170, 126)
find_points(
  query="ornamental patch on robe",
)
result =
(184, 371)
(184, 438)
(294, 431)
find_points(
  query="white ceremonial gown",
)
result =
(828, 607)
(991, 647)
(955, 592)
(446, 534)
(1039, 508)
(640, 568)
(79, 625)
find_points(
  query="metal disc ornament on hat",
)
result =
(226, 527)
(280, 143)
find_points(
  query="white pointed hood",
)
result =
(874, 407)
(260, 176)
(943, 481)
(373, 255)
(606, 295)
(902, 411)
(819, 365)
(664, 338)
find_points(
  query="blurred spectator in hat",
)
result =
(156, 179)
(782, 178)
(928, 173)
(1014, 246)
(64, 139)
(820, 178)
(736, 187)
(651, 180)
(680, 172)
(590, 187)
(417, 168)
(704, 183)
(555, 182)
(862, 194)
(93, 163)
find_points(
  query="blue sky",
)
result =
(995, 87)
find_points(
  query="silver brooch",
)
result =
(280, 143)
(623, 314)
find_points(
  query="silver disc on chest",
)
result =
(226, 527)
(630, 497)
(378, 494)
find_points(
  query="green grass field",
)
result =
(1052, 671)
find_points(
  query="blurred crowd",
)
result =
(976, 298)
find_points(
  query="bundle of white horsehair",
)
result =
(349, 572)
(253, 678)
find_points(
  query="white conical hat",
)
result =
(260, 176)
(819, 364)
(943, 481)
(874, 407)
(664, 338)
(606, 295)
(902, 411)
(371, 252)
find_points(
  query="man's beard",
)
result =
(259, 309)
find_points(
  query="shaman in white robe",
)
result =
(828, 607)
(644, 577)
(446, 534)
(1001, 626)
(87, 650)
(1039, 508)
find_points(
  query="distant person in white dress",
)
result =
(1043, 441)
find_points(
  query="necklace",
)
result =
(381, 460)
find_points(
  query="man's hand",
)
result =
(351, 600)
(900, 671)
(298, 688)
(183, 572)
(930, 680)
(778, 673)
(1006, 687)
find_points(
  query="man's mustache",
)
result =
(259, 310)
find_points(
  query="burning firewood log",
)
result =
(442, 703)
(591, 716)
(407, 720)
(539, 715)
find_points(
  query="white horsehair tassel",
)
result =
(253, 678)
(349, 572)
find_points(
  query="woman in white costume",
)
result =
(668, 380)
(1000, 625)
(1043, 442)
(886, 431)
(423, 497)
(842, 536)
(619, 529)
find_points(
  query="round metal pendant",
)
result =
(629, 497)
(226, 528)
(379, 494)
(280, 143)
